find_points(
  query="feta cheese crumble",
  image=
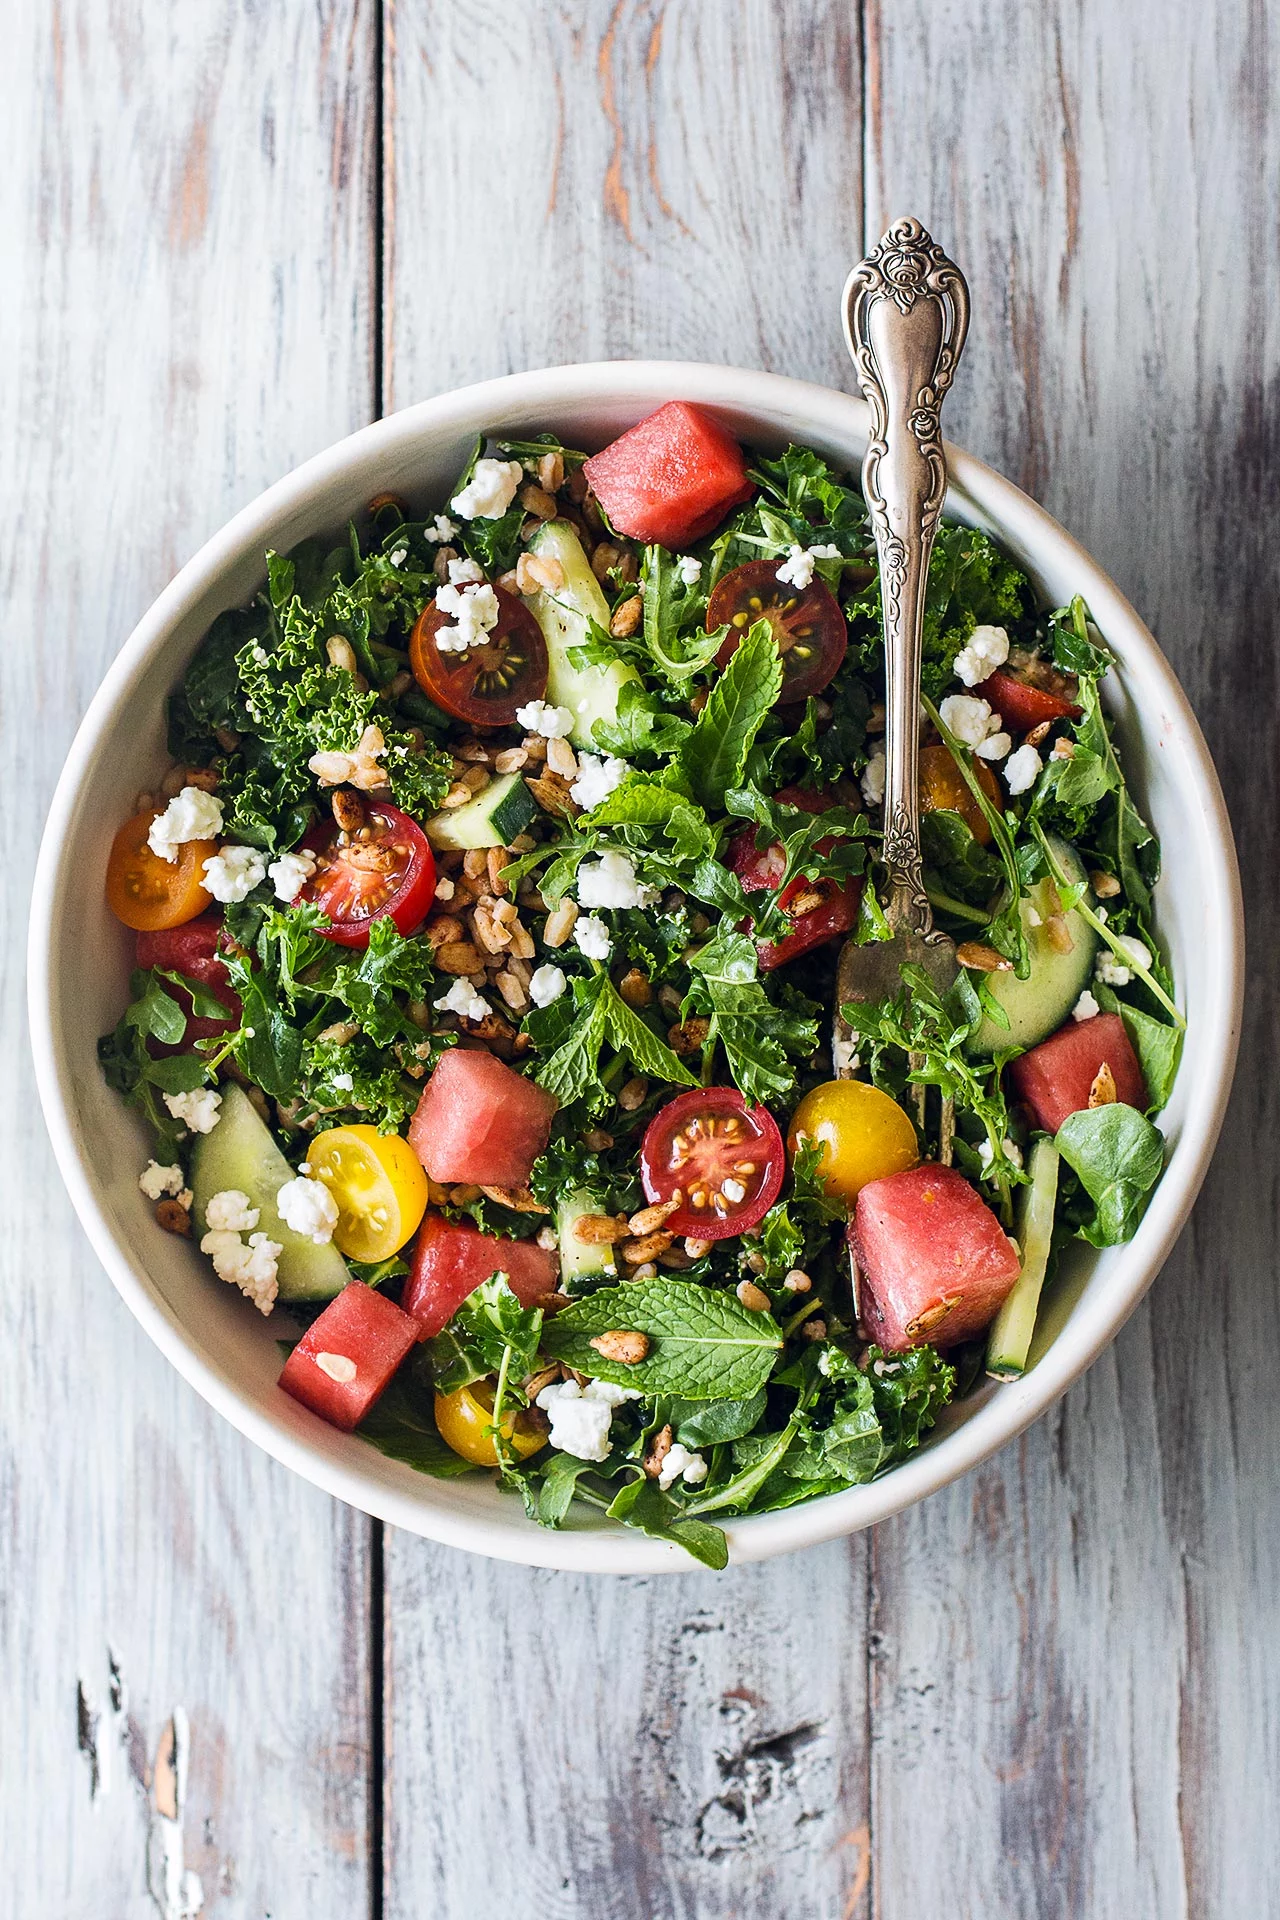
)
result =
(1110, 967)
(553, 723)
(986, 649)
(233, 873)
(474, 609)
(689, 569)
(342, 1081)
(580, 1416)
(1012, 1153)
(192, 814)
(1086, 1007)
(872, 780)
(465, 573)
(969, 717)
(463, 1000)
(800, 565)
(398, 557)
(611, 881)
(489, 491)
(597, 778)
(197, 1110)
(252, 1268)
(680, 1464)
(996, 745)
(291, 872)
(1022, 769)
(440, 529)
(157, 1181)
(592, 937)
(230, 1212)
(546, 985)
(308, 1207)
(845, 1057)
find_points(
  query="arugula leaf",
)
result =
(675, 637)
(711, 1423)
(712, 757)
(643, 1504)
(756, 1031)
(642, 725)
(704, 1345)
(1118, 1156)
(490, 1328)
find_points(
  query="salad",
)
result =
(486, 937)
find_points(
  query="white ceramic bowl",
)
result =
(214, 1337)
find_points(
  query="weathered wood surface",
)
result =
(1052, 1690)
(187, 310)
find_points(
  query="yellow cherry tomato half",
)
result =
(864, 1135)
(148, 893)
(378, 1184)
(464, 1420)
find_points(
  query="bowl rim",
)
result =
(1009, 1411)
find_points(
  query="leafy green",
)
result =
(703, 1344)
(572, 1071)
(641, 726)
(711, 758)
(711, 1423)
(644, 1505)
(799, 1224)
(402, 1425)
(971, 584)
(1118, 1156)
(489, 1329)
(675, 636)
(757, 1032)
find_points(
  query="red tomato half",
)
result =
(385, 867)
(761, 867)
(807, 624)
(724, 1159)
(1021, 705)
(486, 684)
(193, 949)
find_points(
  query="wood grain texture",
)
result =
(1079, 1640)
(625, 180)
(188, 272)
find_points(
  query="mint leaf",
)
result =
(628, 1033)
(641, 725)
(713, 756)
(704, 1345)
(572, 1069)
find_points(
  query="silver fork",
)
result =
(906, 313)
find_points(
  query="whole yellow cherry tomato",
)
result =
(464, 1420)
(864, 1135)
(379, 1186)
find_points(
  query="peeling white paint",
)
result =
(174, 1886)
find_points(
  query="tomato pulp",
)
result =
(720, 1159)
(384, 867)
(820, 909)
(806, 623)
(485, 684)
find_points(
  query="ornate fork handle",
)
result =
(906, 313)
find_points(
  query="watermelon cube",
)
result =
(479, 1122)
(346, 1357)
(1055, 1078)
(670, 478)
(935, 1262)
(450, 1262)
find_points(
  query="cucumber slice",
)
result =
(241, 1153)
(580, 1260)
(565, 616)
(1038, 1005)
(493, 819)
(1015, 1323)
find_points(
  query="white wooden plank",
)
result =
(187, 272)
(1074, 1694)
(573, 183)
